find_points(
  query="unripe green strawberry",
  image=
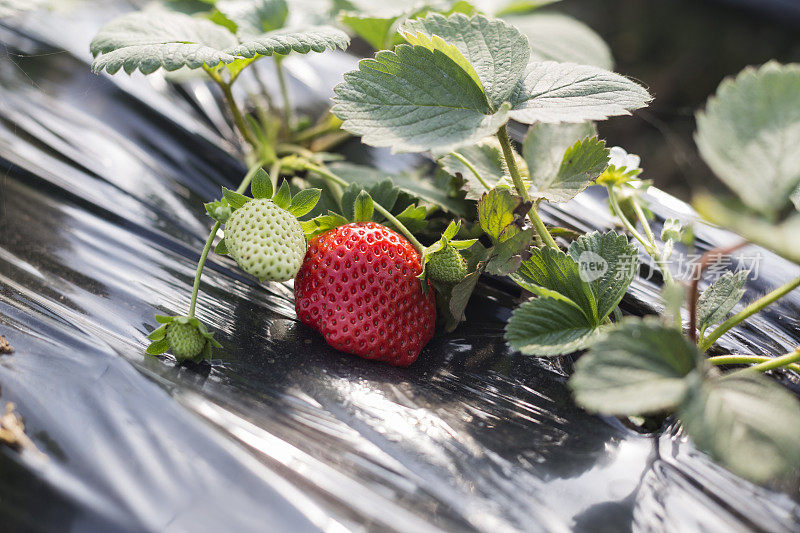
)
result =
(446, 265)
(185, 340)
(265, 240)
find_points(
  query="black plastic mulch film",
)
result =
(101, 222)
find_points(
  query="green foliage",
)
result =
(413, 100)
(749, 132)
(486, 158)
(412, 183)
(549, 326)
(560, 164)
(492, 47)
(250, 18)
(555, 37)
(748, 423)
(615, 260)
(592, 279)
(499, 213)
(156, 38)
(456, 87)
(720, 297)
(639, 368)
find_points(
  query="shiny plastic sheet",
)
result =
(101, 222)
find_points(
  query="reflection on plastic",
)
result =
(101, 221)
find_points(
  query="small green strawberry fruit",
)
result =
(185, 341)
(446, 265)
(265, 240)
(185, 336)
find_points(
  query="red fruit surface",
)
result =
(358, 287)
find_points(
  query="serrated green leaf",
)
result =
(485, 157)
(496, 50)
(497, 211)
(362, 207)
(555, 271)
(156, 38)
(283, 198)
(561, 164)
(556, 37)
(261, 185)
(749, 133)
(638, 368)
(304, 201)
(548, 326)
(158, 347)
(564, 92)
(412, 183)
(253, 17)
(234, 199)
(782, 238)
(544, 148)
(746, 422)
(413, 217)
(285, 41)
(414, 100)
(507, 256)
(221, 248)
(720, 297)
(608, 263)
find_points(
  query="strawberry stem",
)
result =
(214, 229)
(752, 359)
(238, 117)
(200, 265)
(745, 313)
(516, 177)
(287, 106)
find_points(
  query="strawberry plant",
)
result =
(374, 255)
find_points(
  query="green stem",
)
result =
(748, 311)
(612, 198)
(648, 241)
(752, 359)
(287, 106)
(472, 169)
(214, 229)
(399, 225)
(200, 265)
(238, 117)
(516, 177)
(327, 174)
(643, 220)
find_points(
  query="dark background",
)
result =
(681, 50)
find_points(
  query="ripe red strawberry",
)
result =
(358, 287)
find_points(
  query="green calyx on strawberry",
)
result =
(185, 337)
(262, 234)
(442, 260)
(359, 288)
